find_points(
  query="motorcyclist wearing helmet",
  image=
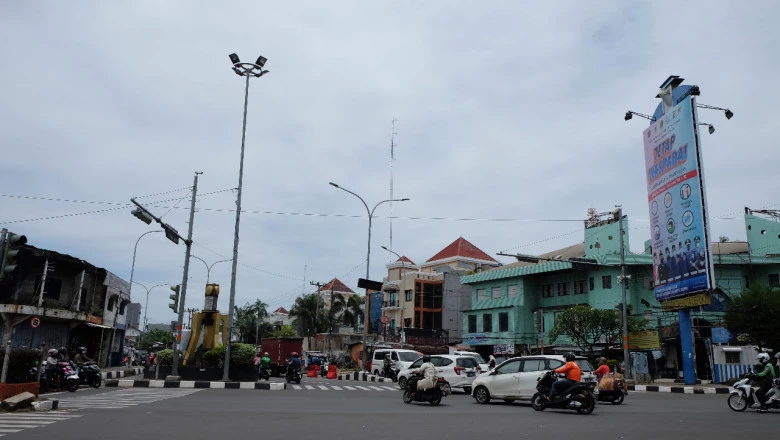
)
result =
(81, 357)
(63, 354)
(573, 375)
(265, 361)
(428, 373)
(53, 358)
(295, 361)
(387, 365)
(765, 376)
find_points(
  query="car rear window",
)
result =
(441, 362)
(584, 365)
(467, 362)
(408, 356)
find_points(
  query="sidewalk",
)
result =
(122, 371)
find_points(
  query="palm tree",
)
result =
(308, 313)
(350, 310)
(260, 311)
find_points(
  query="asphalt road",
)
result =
(133, 413)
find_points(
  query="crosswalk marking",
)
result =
(363, 388)
(376, 388)
(350, 388)
(123, 399)
(322, 387)
(336, 388)
(16, 422)
(309, 387)
(297, 387)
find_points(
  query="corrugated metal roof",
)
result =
(516, 271)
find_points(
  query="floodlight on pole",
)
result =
(630, 113)
(247, 70)
(729, 114)
(711, 128)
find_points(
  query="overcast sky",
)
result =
(509, 127)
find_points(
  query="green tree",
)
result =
(588, 327)
(755, 313)
(153, 336)
(249, 321)
(349, 311)
(309, 313)
(284, 331)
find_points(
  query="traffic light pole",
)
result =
(180, 317)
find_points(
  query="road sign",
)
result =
(385, 320)
(35, 322)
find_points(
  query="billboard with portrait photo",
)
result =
(678, 220)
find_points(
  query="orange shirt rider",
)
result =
(572, 371)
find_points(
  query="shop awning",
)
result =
(97, 325)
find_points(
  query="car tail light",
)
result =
(458, 370)
(479, 368)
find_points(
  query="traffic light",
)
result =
(175, 297)
(142, 215)
(10, 251)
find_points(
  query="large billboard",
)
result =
(678, 221)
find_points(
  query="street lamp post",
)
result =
(247, 70)
(370, 213)
(148, 289)
(132, 268)
(208, 267)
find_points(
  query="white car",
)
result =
(459, 371)
(515, 379)
(483, 366)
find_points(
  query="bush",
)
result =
(241, 355)
(165, 357)
(614, 365)
(20, 363)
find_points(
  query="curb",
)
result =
(363, 376)
(144, 383)
(129, 371)
(45, 405)
(680, 390)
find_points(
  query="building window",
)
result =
(503, 322)
(487, 322)
(408, 294)
(472, 323)
(579, 287)
(774, 280)
(606, 282)
(591, 283)
(512, 290)
(481, 294)
(747, 282)
(563, 289)
(122, 307)
(408, 323)
(732, 357)
(547, 291)
(52, 288)
(111, 302)
(496, 292)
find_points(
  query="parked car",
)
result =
(458, 370)
(515, 379)
(402, 358)
(483, 366)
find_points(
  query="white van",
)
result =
(483, 366)
(401, 357)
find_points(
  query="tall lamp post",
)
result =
(246, 70)
(208, 267)
(132, 268)
(370, 213)
(148, 289)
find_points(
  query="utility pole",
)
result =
(623, 281)
(320, 286)
(180, 317)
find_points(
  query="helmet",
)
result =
(265, 354)
(82, 349)
(426, 358)
(294, 354)
(602, 360)
(763, 358)
(63, 350)
(53, 351)
(569, 357)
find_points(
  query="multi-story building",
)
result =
(430, 296)
(74, 304)
(516, 305)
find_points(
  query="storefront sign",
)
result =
(646, 340)
(700, 299)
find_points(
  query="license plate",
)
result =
(471, 374)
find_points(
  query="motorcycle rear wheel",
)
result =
(71, 385)
(587, 406)
(95, 381)
(436, 400)
(407, 396)
(537, 402)
(618, 400)
(737, 402)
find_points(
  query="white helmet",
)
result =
(763, 358)
(53, 352)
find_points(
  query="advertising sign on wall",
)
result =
(678, 222)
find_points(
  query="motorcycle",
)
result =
(293, 375)
(59, 377)
(578, 397)
(431, 395)
(614, 396)
(390, 372)
(263, 374)
(89, 374)
(742, 396)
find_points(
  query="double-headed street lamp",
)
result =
(247, 70)
(148, 289)
(132, 267)
(370, 213)
(208, 267)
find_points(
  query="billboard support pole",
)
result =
(686, 343)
